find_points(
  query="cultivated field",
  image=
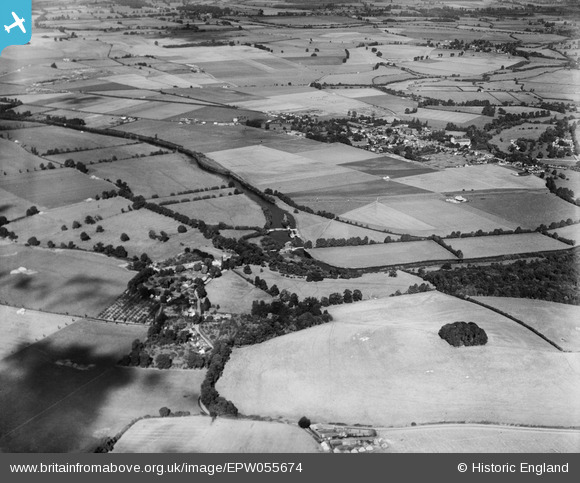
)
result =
(381, 254)
(14, 159)
(20, 327)
(494, 246)
(198, 434)
(66, 394)
(127, 151)
(158, 175)
(528, 210)
(357, 369)
(234, 294)
(478, 438)
(235, 210)
(571, 232)
(372, 285)
(55, 187)
(63, 281)
(482, 177)
(558, 322)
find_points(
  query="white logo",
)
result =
(18, 22)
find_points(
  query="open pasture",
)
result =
(234, 294)
(560, 323)
(495, 246)
(372, 285)
(366, 256)
(235, 210)
(62, 281)
(66, 393)
(374, 348)
(481, 177)
(198, 434)
(526, 209)
(55, 187)
(571, 232)
(468, 65)
(14, 159)
(525, 131)
(20, 328)
(160, 175)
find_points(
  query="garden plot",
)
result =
(372, 285)
(374, 348)
(560, 323)
(67, 394)
(63, 281)
(387, 254)
(198, 434)
(54, 187)
(234, 294)
(481, 177)
(236, 210)
(21, 327)
(160, 175)
(495, 246)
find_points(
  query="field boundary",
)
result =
(522, 323)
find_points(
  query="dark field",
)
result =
(387, 166)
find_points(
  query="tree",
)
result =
(84, 236)
(76, 225)
(247, 270)
(33, 210)
(124, 237)
(3, 220)
(164, 412)
(304, 422)
(81, 167)
(100, 229)
(163, 361)
(347, 296)
(181, 229)
(33, 241)
(63, 228)
(89, 220)
(356, 295)
(461, 333)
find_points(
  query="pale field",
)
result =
(390, 52)
(466, 65)
(318, 102)
(423, 216)
(493, 246)
(160, 175)
(271, 168)
(234, 294)
(445, 116)
(13, 206)
(92, 103)
(236, 210)
(60, 280)
(366, 256)
(338, 153)
(571, 232)
(372, 285)
(366, 75)
(198, 434)
(480, 177)
(381, 362)
(14, 159)
(471, 438)
(20, 328)
(157, 110)
(66, 393)
(558, 322)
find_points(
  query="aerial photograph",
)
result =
(290, 226)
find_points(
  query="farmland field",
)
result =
(571, 232)
(60, 280)
(425, 215)
(236, 210)
(161, 175)
(389, 166)
(374, 348)
(94, 155)
(372, 285)
(396, 253)
(21, 328)
(493, 246)
(55, 187)
(481, 177)
(478, 438)
(198, 434)
(14, 159)
(234, 294)
(92, 399)
(558, 322)
(528, 210)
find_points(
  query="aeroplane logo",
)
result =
(18, 22)
(16, 17)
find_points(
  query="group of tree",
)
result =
(465, 334)
(210, 398)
